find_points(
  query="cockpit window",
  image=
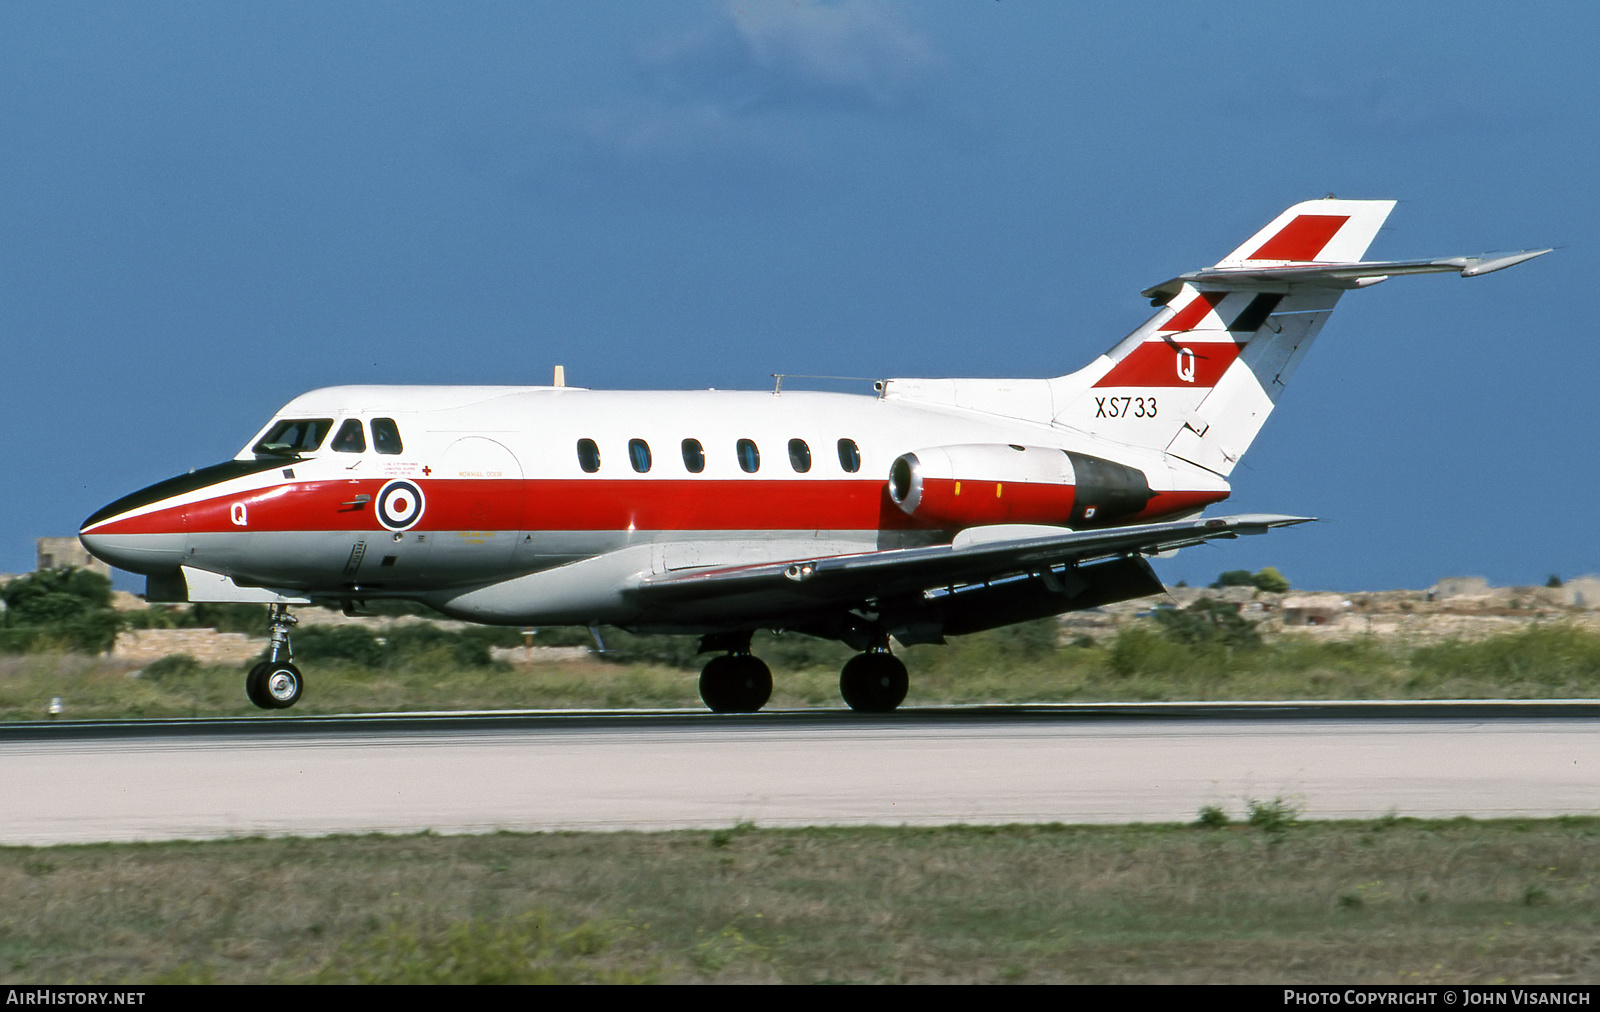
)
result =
(386, 436)
(350, 438)
(293, 436)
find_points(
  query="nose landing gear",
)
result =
(276, 684)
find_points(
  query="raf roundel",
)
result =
(400, 505)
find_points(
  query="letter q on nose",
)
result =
(238, 515)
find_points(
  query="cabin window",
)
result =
(694, 456)
(294, 435)
(639, 455)
(588, 455)
(849, 455)
(386, 436)
(749, 456)
(800, 455)
(350, 438)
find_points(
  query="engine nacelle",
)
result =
(990, 483)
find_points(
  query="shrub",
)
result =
(1271, 581)
(175, 666)
(1268, 579)
(1274, 817)
(1140, 651)
(1208, 622)
(1546, 655)
(421, 643)
(243, 618)
(59, 607)
(351, 643)
(1212, 817)
(1235, 578)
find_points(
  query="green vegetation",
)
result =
(1391, 901)
(57, 609)
(1205, 652)
(1268, 579)
(55, 621)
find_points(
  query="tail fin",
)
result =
(1201, 376)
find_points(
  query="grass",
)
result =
(1021, 664)
(1390, 901)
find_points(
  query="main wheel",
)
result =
(874, 682)
(281, 684)
(735, 683)
(255, 686)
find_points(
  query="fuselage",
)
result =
(428, 492)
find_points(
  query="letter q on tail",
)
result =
(1186, 364)
(238, 515)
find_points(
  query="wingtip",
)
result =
(1262, 520)
(1488, 265)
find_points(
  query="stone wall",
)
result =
(205, 645)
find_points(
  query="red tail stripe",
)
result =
(1301, 239)
(1190, 315)
(1164, 364)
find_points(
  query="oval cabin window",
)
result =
(694, 456)
(588, 455)
(639, 455)
(749, 456)
(849, 455)
(799, 455)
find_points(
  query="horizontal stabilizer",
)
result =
(1328, 275)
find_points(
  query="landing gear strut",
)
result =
(874, 682)
(276, 684)
(736, 683)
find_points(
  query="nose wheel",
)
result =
(736, 683)
(276, 684)
(874, 682)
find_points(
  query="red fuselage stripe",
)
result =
(581, 504)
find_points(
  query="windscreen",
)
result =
(293, 436)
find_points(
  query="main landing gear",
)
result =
(736, 683)
(276, 684)
(740, 682)
(874, 682)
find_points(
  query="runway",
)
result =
(481, 773)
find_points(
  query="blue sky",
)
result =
(206, 209)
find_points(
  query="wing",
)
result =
(1055, 559)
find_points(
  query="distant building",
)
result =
(1580, 592)
(1459, 586)
(54, 553)
(1314, 609)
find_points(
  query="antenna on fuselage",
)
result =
(560, 379)
(779, 377)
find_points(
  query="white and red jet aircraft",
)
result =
(935, 508)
